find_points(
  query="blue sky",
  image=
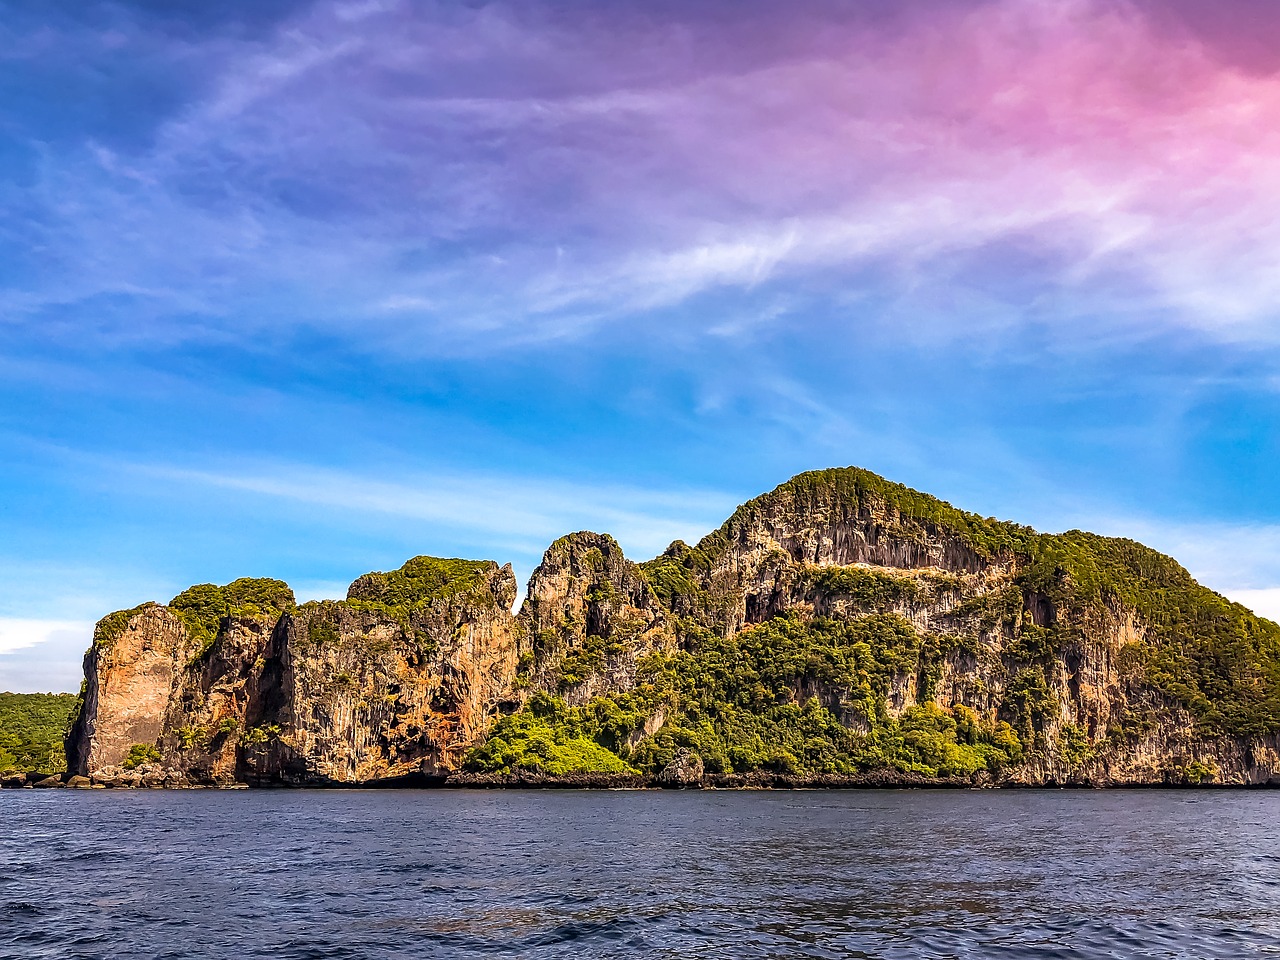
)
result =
(304, 289)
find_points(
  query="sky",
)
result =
(303, 289)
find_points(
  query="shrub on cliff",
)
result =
(546, 738)
(422, 580)
(204, 606)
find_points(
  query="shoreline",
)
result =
(586, 782)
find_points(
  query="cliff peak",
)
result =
(839, 628)
(424, 579)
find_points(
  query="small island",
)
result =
(841, 630)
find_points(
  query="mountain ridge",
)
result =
(839, 628)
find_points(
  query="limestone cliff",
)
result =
(840, 629)
(397, 681)
(591, 616)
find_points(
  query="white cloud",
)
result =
(17, 634)
(1125, 157)
(40, 656)
(1265, 603)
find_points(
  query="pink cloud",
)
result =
(577, 171)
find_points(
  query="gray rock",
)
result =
(684, 770)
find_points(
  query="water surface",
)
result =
(392, 874)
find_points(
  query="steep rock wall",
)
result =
(1059, 659)
(330, 692)
(591, 617)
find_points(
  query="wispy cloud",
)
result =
(450, 168)
(519, 513)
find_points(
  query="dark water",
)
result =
(718, 874)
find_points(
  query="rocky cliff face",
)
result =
(839, 629)
(592, 617)
(397, 683)
(361, 692)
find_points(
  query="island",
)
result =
(841, 630)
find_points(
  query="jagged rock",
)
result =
(591, 615)
(79, 783)
(1000, 627)
(684, 770)
(48, 782)
(399, 680)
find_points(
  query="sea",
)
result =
(316, 875)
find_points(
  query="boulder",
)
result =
(684, 770)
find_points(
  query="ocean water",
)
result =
(425, 874)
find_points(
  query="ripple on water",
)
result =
(892, 875)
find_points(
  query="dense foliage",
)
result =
(791, 697)
(422, 580)
(550, 738)
(1210, 655)
(203, 607)
(809, 696)
(32, 726)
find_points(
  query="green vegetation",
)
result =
(258, 735)
(861, 490)
(876, 590)
(678, 573)
(320, 630)
(139, 754)
(587, 658)
(550, 738)
(188, 737)
(786, 696)
(32, 726)
(422, 580)
(1195, 772)
(399, 594)
(1210, 655)
(811, 697)
(1073, 745)
(109, 629)
(204, 606)
(1213, 656)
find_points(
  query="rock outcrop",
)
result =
(840, 629)
(591, 617)
(390, 684)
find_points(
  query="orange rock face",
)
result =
(330, 692)
(129, 684)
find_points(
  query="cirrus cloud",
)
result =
(448, 179)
